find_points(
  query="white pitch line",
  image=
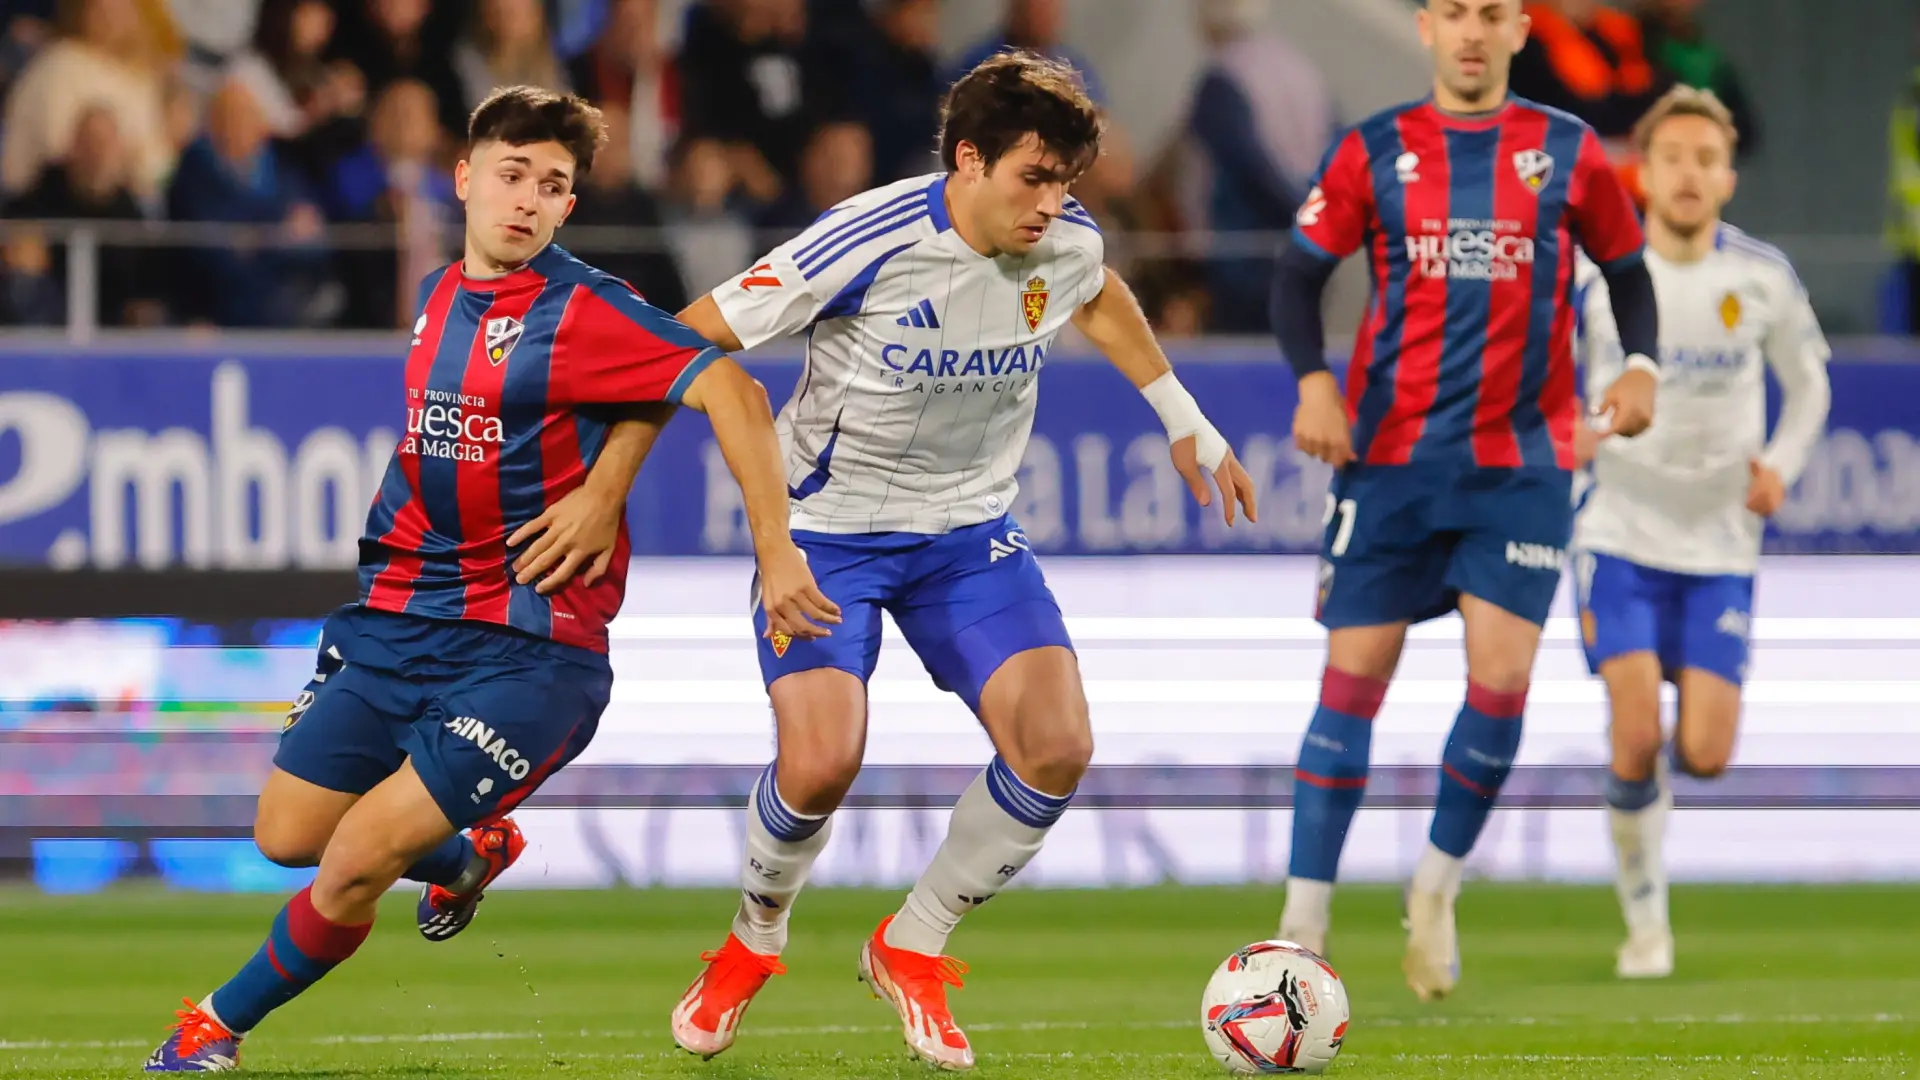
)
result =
(433, 1037)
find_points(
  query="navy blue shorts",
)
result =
(1403, 542)
(1686, 620)
(966, 601)
(486, 715)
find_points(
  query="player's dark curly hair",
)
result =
(520, 115)
(1013, 94)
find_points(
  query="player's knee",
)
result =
(284, 842)
(1054, 744)
(1504, 676)
(1703, 759)
(1370, 652)
(285, 851)
(1055, 761)
(1635, 749)
(815, 781)
(355, 875)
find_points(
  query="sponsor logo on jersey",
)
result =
(1691, 358)
(1406, 168)
(1535, 556)
(953, 364)
(1015, 543)
(492, 744)
(761, 275)
(450, 424)
(1033, 302)
(419, 327)
(781, 641)
(503, 333)
(1311, 209)
(1535, 168)
(1730, 310)
(1471, 249)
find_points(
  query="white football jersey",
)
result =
(922, 357)
(1675, 497)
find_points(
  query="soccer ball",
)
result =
(1274, 1007)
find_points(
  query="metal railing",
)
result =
(1835, 266)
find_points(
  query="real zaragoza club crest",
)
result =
(1033, 302)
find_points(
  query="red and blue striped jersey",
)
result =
(1465, 353)
(510, 386)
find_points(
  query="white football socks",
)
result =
(1309, 909)
(1438, 872)
(1640, 878)
(996, 829)
(781, 847)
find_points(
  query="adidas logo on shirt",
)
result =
(921, 316)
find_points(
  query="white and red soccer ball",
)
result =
(1274, 1007)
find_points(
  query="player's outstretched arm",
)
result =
(1114, 323)
(736, 406)
(584, 526)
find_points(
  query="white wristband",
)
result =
(1180, 414)
(1643, 362)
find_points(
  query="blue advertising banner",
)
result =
(237, 459)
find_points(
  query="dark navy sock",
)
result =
(444, 865)
(1331, 775)
(1630, 795)
(1475, 764)
(301, 948)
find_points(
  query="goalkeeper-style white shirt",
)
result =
(922, 357)
(1674, 498)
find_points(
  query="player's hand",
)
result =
(793, 602)
(1320, 420)
(579, 530)
(1235, 485)
(1766, 491)
(1627, 407)
(1586, 443)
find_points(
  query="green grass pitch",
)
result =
(1787, 982)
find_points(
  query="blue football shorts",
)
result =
(1686, 620)
(486, 714)
(1404, 542)
(966, 601)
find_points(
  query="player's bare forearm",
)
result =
(1116, 326)
(704, 318)
(736, 405)
(1114, 323)
(628, 443)
(580, 531)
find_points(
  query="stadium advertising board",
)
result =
(240, 460)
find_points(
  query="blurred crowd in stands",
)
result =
(731, 130)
